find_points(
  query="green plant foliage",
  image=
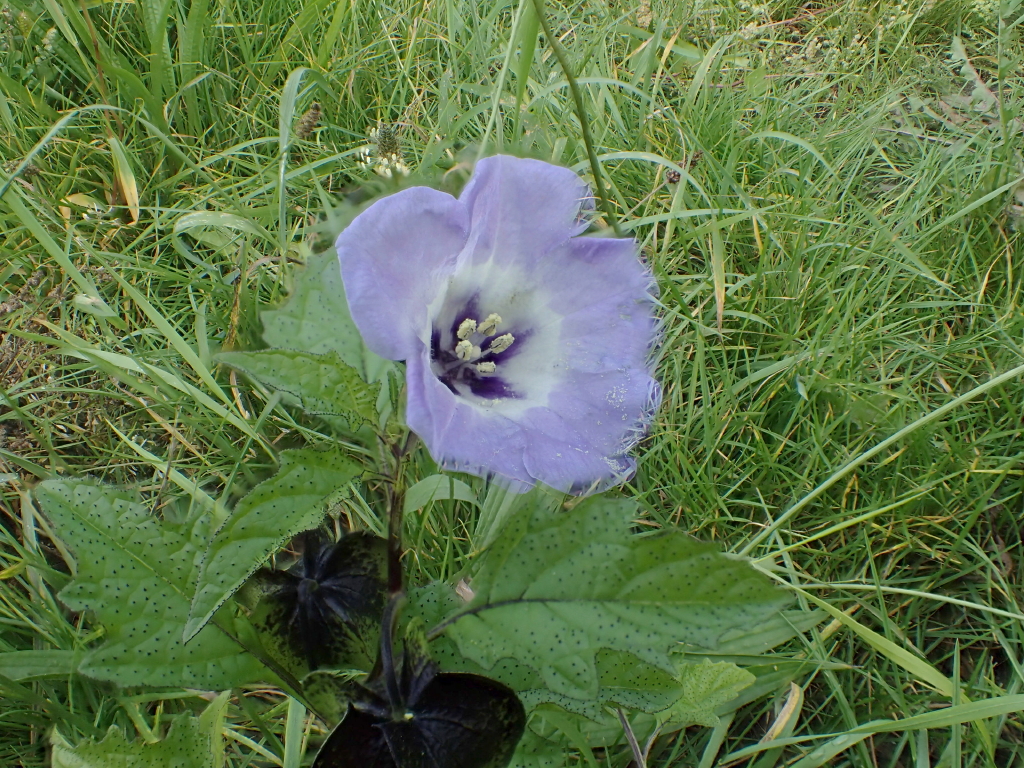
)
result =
(136, 574)
(556, 588)
(28, 665)
(704, 688)
(270, 514)
(535, 751)
(187, 746)
(211, 723)
(315, 319)
(431, 603)
(437, 488)
(323, 384)
(327, 691)
(688, 696)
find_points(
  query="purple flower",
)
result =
(527, 347)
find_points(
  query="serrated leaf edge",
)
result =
(190, 632)
(311, 411)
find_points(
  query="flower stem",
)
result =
(388, 625)
(595, 167)
(395, 504)
(396, 595)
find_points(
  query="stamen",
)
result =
(466, 328)
(486, 367)
(501, 343)
(490, 324)
(466, 350)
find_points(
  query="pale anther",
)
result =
(486, 367)
(501, 343)
(466, 328)
(466, 350)
(490, 324)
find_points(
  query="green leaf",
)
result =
(136, 574)
(689, 696)
(27, 665)
(553, 589)
(704, 688)
(437, 488)
(628, 682)
(211, 725)
(270, 514)
(185, 745)
(327, 691)
(323, 384)
(315, 318)
(534, 751)
(528, 29)
(431, 603)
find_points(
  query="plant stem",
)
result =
(395, 501)
(396, 596)
(387, 653)
(595, 167)
(638, 756)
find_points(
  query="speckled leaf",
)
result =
(698, 692)
(316, 319)
(628, 682)
(700, 688)
(430, 604)
(555, 588)
(624, 681)
(135, 573)
(323, 384)
(688, 696)
(270, 514)
(185, 745)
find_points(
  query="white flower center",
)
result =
(500, 309)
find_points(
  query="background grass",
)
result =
(829, 194)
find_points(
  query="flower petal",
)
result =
(605, 297)
(394, 256)
(607, 395)
(580, 440)
(460, 436)
(520, 208)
